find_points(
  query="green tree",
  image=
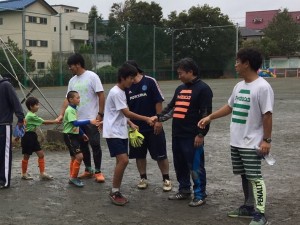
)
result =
(284, 32)
(206, 35)
(6, 70)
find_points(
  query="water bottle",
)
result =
(268, 158)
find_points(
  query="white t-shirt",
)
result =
(114, 121)
(87, 85)
(249, 101)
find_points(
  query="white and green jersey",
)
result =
(249, 101)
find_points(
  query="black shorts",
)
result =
(73, 143)
(156, 144)
(30, 143)
(117, 146)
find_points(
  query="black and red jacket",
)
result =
(190, 103)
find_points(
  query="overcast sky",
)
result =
(235, 9)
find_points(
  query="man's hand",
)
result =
(85, 137)
(60, 118)
(198, 141)
(157, 128)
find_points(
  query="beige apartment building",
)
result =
(35, 26)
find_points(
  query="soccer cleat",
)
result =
(143, 184)
(77, 182)
(179, 196)
(86, 175)
(117, 198)
(243, 211)
(45, 176)
(26, 176)
(258, 219)
(99, 177)
(197, 202)
(167, 185)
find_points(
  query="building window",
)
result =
(41, 65)
(66, 27)
(54, 29)
(257, 20)
(44, 43)
(1, 21)
(43, 20)
(32, 43)
(32, 19)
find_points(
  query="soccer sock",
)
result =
(144, 176)
(113, 190)
(71, 166)
(24, 166)
(41, 162)
(166, 177)
(75, 169)
(248, 191)
(259, 191)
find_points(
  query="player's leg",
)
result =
(27, 144)
(84, 147)
(5, 155)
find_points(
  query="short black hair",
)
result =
(187, 65)
(126, 70)
(252, 55)
(31, 101)
(71, 94)
(76, 59)
(134, 63)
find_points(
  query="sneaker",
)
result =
(77, 182)
(45, 176)
(197, 202)
(26, 176)
(99, 177)
(179, 196)
(143, 184)
(117, 198)
(167, 185)
(258, 219)
(86, 175)
(243, 212)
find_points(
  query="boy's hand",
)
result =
(95, 122)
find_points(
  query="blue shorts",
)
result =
(156, 144)
(117, 146)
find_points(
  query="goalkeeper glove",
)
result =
(136, 139)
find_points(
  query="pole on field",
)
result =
(173, 30)
(127, 27)
(154, 71)
(60, 51)
(95, 43)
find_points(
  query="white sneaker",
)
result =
(167, 185)
(26, 176)
(45, 176)
(143, 184)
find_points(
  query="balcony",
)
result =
(79, 34)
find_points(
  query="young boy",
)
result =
(251, 108)
(115, 128)
(29, 141)
(73, 135)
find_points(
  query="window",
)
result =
(44, 43)
(43, 20)
(1, 21)
(41, 65)
(54, 29)
(66, 27)
(32, 19)
(32, 43)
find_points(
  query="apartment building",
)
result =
(42, 29)
(28, 23)
(69, 28)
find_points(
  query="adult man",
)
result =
(192, 101)
(10, 104)
(92, 99)
(251, 106)
(144, 97)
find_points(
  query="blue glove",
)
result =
(19, 131)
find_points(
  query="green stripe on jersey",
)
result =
(234, 120)
(243, 91)
(245, 114)
(241, 106)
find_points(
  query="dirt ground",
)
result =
(57, 203)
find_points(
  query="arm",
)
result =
(14, 100)
(223, 111)
(63, 109)
(101, 98)
(158, 125)
(267, 125)
(47, 122)
(134, 116)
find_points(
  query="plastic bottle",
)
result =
(268, 158)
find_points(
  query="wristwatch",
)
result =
(268, 140)
(101, 114)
